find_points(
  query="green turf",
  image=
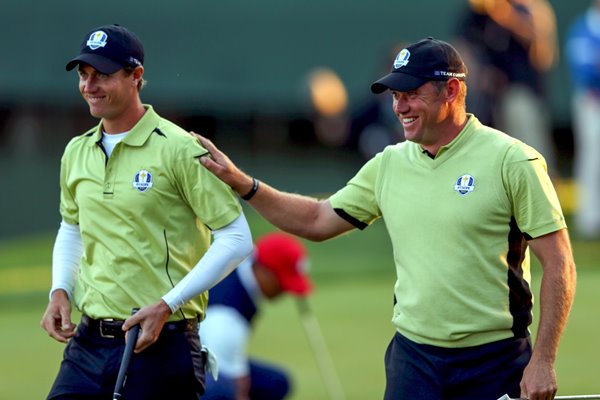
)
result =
(352, 301)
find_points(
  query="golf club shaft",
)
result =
(319, 348)
(127, 353)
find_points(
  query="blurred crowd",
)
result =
(510, 47)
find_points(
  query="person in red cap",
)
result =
(277, 266)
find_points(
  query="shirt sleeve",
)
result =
(213, 202)
(66, 258)
(231, 245)
(357, 201)
(68, 206)
(534, 201)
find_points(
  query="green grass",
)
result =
(354, 278)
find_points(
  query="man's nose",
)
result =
(88, 85)
(400, 103)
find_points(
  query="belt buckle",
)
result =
(101, 327)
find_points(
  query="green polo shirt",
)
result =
(144, 214)
(458, 225)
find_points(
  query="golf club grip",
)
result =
(127, 353)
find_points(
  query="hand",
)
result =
(151, 319)
(539, 381)
(223, 167)
(57, 318)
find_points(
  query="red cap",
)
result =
(286, 257)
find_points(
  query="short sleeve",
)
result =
(213, 202)
(69, 209)
(534, 201)
(357, 201)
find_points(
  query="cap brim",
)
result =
(100, 63)
(398, 81)
(298, 285)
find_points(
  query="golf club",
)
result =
(127, 353)
(319, 348)
(577, 397)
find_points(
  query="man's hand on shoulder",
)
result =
(223, 168)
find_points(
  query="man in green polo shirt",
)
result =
(138, 213)
(462, 204)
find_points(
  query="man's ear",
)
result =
(452, 89)
(137, 74)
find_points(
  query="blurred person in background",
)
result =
(137, 213)
(583, 55)
(374, 124)
(277, 266)
(510, 46)
(462, 204)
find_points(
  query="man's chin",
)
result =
(95, 112)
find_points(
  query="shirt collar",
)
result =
(140, 132)
(465, 132)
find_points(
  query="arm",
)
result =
(230, 246)
(242, 388)
(536, 29)
(556, 297)
(300, 215)
(66, 257)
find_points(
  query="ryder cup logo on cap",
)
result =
(426, 60)
(108, 49)
(142, 180)
(97, 40)
(465, 184)
(402, 58)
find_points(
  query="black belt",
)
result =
(112, 328)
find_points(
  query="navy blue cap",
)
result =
(426, 60)
(108, 49)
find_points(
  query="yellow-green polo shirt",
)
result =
(458, 225)
(145, 215)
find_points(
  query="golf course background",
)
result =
(354, 278)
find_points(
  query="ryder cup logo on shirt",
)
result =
(402, 58)
(97, 40)
(142, 180)
(465, 184)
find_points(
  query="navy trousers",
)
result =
(486, 372)
(171, 368)
(267, 382)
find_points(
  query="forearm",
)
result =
(66, 257)
(242, 388)
(556, 297)
(230, 246)
(300, 215)
(293, 213)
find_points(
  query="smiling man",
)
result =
(462, 204)
(137, 213)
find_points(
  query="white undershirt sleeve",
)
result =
(66, 257)
(231, 245)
